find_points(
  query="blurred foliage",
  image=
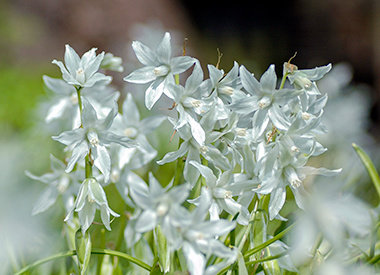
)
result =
(20, 91)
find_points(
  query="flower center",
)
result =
(115, 176)
(226, 90)
(74, 99)
(294, 149)
(203, 149)
(80, 76)
(228, 195)
(93, 139)
(161, 70)
(305, 116)
(242, 132)
(296, 183)
(130, 132)
(264, 102)
(63, 184)
(162, 209)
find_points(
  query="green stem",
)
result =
(179, 167)
(270, 258)
(268, 242)
(283, 80)
(79, 100)
(94, 251)
(88, 167)
(88, 164)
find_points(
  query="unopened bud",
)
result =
(303, 82)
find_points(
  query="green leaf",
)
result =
(369, 166)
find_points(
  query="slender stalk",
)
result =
(178, 174)
(88, 167)
(94, 251)
(283, 80)
(88, 163)
(268, 242)
(270, 258)
(48, 259)
(79, 100)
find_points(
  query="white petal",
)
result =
(141, 76)
(154, 92)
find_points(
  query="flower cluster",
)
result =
(243, 142)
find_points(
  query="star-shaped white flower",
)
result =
(82, 71)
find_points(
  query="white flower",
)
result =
(90, 197)
(159, 69)
(95, 136)
(82, 71)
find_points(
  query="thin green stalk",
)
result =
(179, 168)
(94, 251)
(268, 242)
(79, 99)
(283, 80)
(270, 258)
(48, 259)
(88, 167)
(88, 163)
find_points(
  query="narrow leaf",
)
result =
(369, 166)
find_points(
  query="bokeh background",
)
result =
(254, 33)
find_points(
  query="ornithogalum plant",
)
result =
(243, 154)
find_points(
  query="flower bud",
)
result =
(112, 63)
(303, 82)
